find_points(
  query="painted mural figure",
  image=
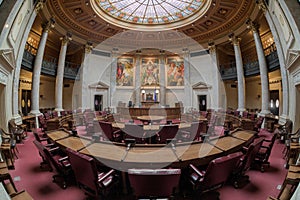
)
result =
(125, 71)
(150, 72)
(175, 72)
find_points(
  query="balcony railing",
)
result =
(49, 64)
(228, 71)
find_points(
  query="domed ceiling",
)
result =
(98, 20)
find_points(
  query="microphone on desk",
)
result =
(172, 142)
(130, 142)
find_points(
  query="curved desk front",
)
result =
(118, 156)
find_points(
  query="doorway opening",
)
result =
(98, 102)
(202, 102)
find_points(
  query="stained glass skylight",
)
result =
(150, 12)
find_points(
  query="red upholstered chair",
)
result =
(154, 183)
(167, 132)
(262, 157)
(258, 123)
(194, 132)
(42, 123)
(245, 163)
(93, 182)
(109, 133)
(216, 174)
(134, 131)
(45, 162)
(58, 161)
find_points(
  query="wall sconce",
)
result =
(258, 96)
(156, 91)
(143, 91)
(41, 96)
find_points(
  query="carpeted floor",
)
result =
(28, 175)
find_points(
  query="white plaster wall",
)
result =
(203, 69)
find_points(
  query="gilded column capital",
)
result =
(88, 47)
(253, 26)
(65, 39)
(262, 5)
(39, 5)
(234, 39)
(211, 47)
(48, 25)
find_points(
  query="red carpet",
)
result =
(38, 182)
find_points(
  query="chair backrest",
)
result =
(288, 126)
(219, 170)
(107, 130)
(134, 131)
(84, 168)
(250, 154)
(41, 148)
(154, 182)
(167, 132)
(196, 129)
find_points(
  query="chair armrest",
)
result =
(200, 174)
(244, 149)
(63, 159)
(264, 147)
(117, 131)
(110, 173)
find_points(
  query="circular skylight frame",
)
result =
(190, 11)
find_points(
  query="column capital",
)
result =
(65, 39)
(39, 5)
(261, 5)
(115, 51)
(88, 47)
(48, 25)
(185, 52)
(234, 39)
(253, 26)
(211, 47)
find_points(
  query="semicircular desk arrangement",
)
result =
(123, 156)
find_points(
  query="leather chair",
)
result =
(262, 157)
(134, 131)
(154, 183)
(45, 162)
(167, 132)
(58, 161)
(258, 123)
(42, 139)
(109, 133)
(93, 182)
(239, 174)
(18, 131)
(194, 132)
(9, 146)
(215, 175)
(42, 123)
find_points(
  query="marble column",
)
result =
(84, 75)
(35, 88)
(60, 73)
(263, 68)
(240, 72)
(162, 78)
(216, 100)
(19, 59)
(285, 84)
(187, 86)
(138, 80)
(113, 84)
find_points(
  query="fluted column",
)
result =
(35, 88)
(263, 69)
(162, 77)
(60, 73)
(284, 77)
(216, 102)
(187, 86)
(112, 88)
(15, 98)
(240, 72)
(138, 79)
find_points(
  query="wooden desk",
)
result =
(154, 155)
(74, 143)
(244, 135)
(150, 118)
(58, 134)
(227, 143)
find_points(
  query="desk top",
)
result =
(150, 117)
(58, 134)
(153, 155)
